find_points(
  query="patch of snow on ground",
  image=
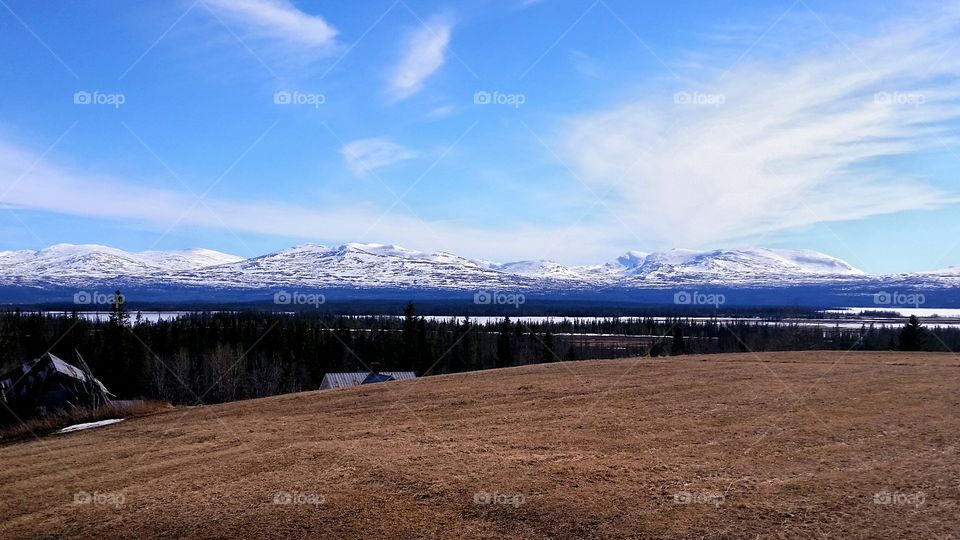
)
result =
(88, 425)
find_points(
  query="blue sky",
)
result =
(497, 129)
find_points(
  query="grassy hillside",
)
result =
(792, 444)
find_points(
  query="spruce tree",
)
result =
(912, 336)
(548, 347)
(119, 315)
(677, 347)
(471, 347)
(411, 355)
(505, 344)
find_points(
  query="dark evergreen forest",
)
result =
(216, 357)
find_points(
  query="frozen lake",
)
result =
(903, 311)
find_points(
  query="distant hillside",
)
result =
(784, 277)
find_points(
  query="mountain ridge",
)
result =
(359, 265)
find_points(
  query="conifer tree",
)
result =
(912, 335)
(548, 347)
(505, 344)
(678, 346)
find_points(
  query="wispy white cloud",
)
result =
(778, 144)
(424, 52)
(584, 63)
(442, 111)
(276, 20)
(52, 188)
(366, 155)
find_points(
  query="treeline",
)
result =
(216, 357)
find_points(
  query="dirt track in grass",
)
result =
(779, 445)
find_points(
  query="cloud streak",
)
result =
(50, 188)
(424, 52)
(277, 21)
(778, 145)
(367, 155)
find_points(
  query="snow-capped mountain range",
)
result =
(376, 266)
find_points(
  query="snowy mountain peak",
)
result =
(808, 261)
(70, 263)
(308, 246)
(371, 246)
(632, 258)
(76, 248)
(744, 265)
(378, 249)
(187, 259)
(539, 268)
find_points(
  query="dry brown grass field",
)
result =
(780, 445)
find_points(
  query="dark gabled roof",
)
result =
(343, 380)
(377, 377)
(35, 371)
(64, 368)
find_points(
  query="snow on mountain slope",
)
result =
(949, 271)
(187, 259)
(71, 264)
(540, 269)
(632, 258)
(377, 265)
(66, 261)
(372, 266)
(929, 279)
(353, 266)
(812, 262)
(757, 265)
